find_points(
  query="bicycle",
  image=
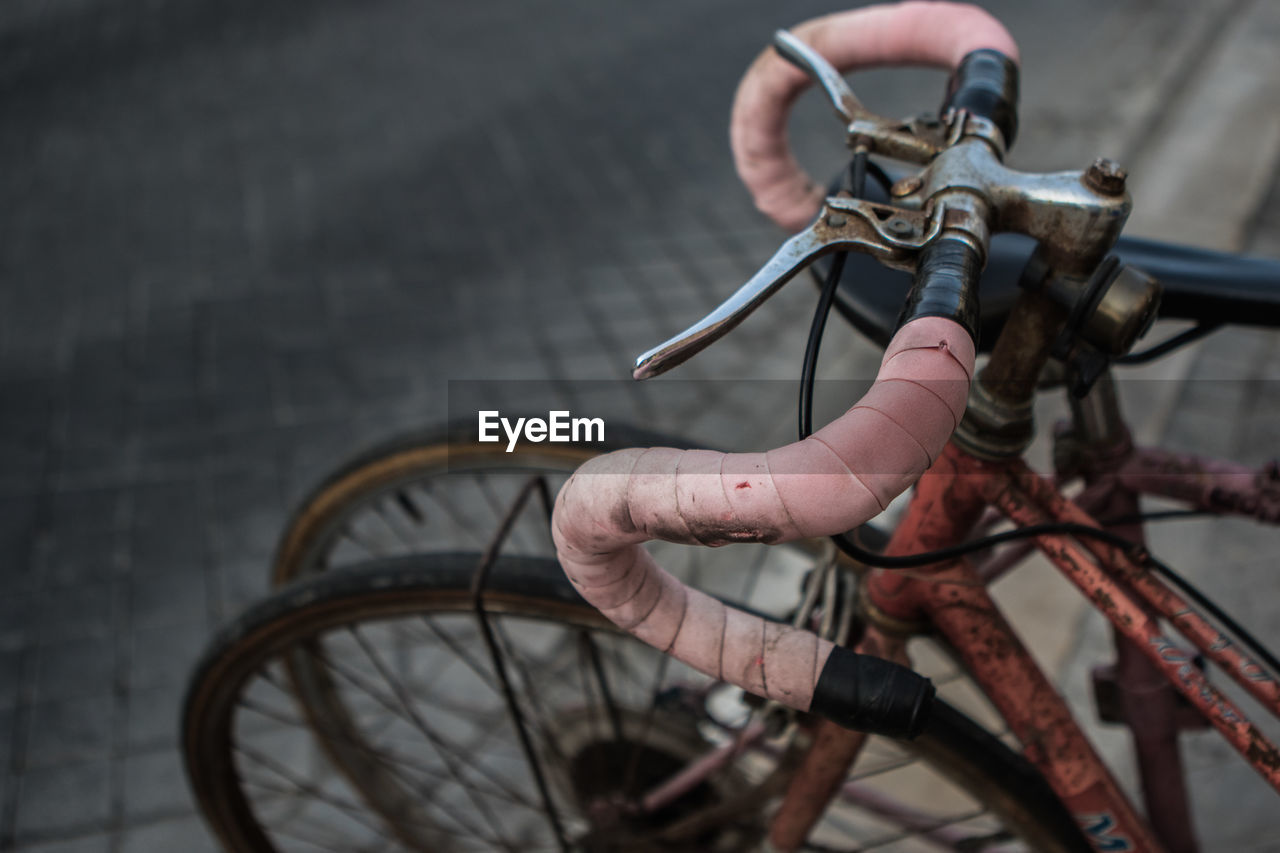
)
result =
(695, 769)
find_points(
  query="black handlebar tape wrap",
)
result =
(986, 83)
(869, 694)
(946, 285)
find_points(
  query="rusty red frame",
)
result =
(952, 598)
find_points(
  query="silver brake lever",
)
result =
(891, 234)
(808, 60)
(911, 140)
(789, 260)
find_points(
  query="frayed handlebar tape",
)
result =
(831, 482)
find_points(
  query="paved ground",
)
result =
(242, 240)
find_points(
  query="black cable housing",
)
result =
(1165, 347)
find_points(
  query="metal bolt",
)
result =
(906, 186)
(835, 220)
(1106, 176)
(899, 226)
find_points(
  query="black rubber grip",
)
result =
(986, 83)
(946, 285)
(869, 694)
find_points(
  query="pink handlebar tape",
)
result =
(831, 482)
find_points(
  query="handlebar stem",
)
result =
(1075, 223)
(998, 423)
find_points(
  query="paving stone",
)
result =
(98, 842)
(170, 599)
(75, 669)
(19, 619)
(163, 657)
(8, 720)
(89, 510)
(76, 557)
(185, 833)
(25, 451)
(153, 716)
(62, 799)
(19, 520)
(69, 731)
(155, 785)
(85, 610)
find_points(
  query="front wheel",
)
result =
(406, 741)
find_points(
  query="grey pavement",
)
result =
(243, 240)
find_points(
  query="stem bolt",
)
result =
(1106, 176)
(901, 227)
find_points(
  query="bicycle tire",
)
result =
(312, 537)
(519, 588)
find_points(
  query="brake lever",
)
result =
(913, 140)
(808, 60)
(892, 235)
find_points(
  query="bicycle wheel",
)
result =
(438, 490)
(433, 759)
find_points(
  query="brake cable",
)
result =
(1183, 338)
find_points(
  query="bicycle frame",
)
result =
(952, 599)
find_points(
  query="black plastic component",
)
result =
(869, 694)
(946, 285)
(986, 83)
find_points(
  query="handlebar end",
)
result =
(872, 695)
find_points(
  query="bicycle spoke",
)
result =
(354, 810)
(471, 661)
(345, 806)
(394, 761)
(406, 704)
(482, 672)
(499, 508)
(272, 792)
(407, 540)
(409, 506)
(448, 754)
(349, 533)
(305, 839)
(606, 696)
(620, 664)
(926, 833)
(633, 763)
(531, 691)
(461, 519)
